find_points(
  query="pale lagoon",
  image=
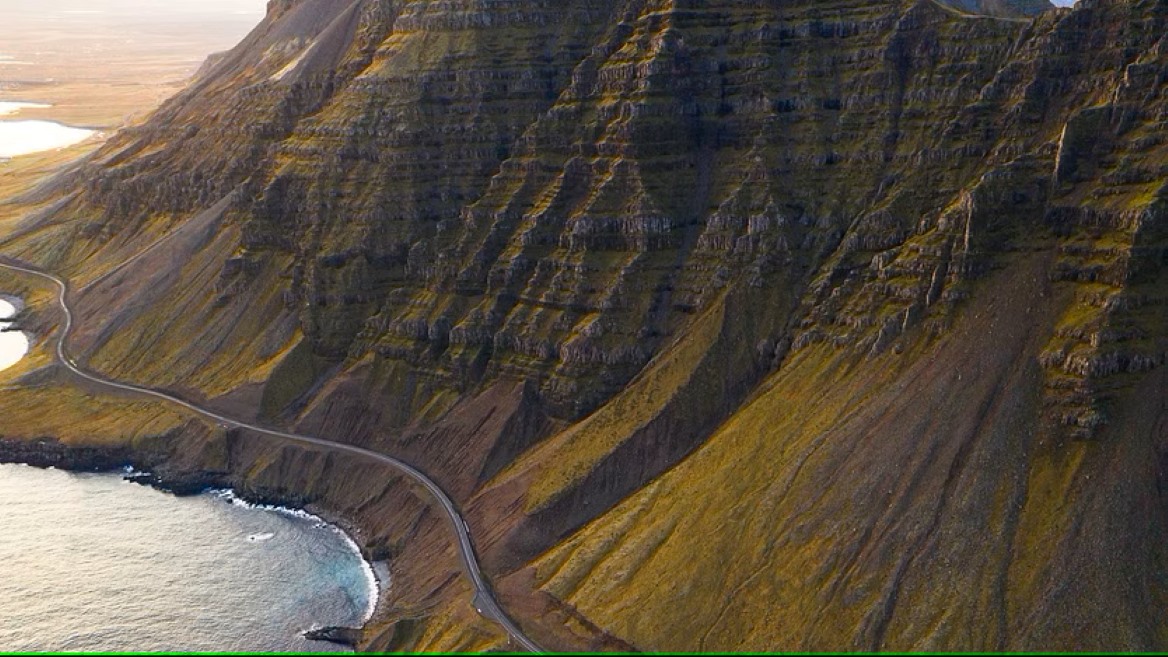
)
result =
(13, 344)
(26, 136)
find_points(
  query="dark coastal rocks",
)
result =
(146, 466)
(49, 453)
(186, 485)
(345, 636)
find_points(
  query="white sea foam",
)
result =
(373, 582)
(230, 497)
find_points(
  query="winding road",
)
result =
(484, 598)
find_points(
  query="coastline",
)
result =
(295, 470)
(139, 468)
(349, 534)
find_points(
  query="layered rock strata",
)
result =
(730, 324)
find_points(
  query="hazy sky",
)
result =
(185, 6)
(203, 7)
(174, 8)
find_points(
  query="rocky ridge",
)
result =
(866, 279)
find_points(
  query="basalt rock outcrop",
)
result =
(730, 324)
(1001, 8)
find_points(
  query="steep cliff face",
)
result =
(731, 324)
(1001, 8)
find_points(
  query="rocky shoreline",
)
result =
(152, 469)
(47, 453)
(344, 636)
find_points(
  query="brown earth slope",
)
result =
(730, 324)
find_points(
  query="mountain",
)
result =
(730, 325)
(1002, 8)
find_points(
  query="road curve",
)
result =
(484, 598)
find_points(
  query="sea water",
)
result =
(91, 562)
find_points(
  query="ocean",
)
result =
(91, 562)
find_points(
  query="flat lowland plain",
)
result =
(104, 64)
